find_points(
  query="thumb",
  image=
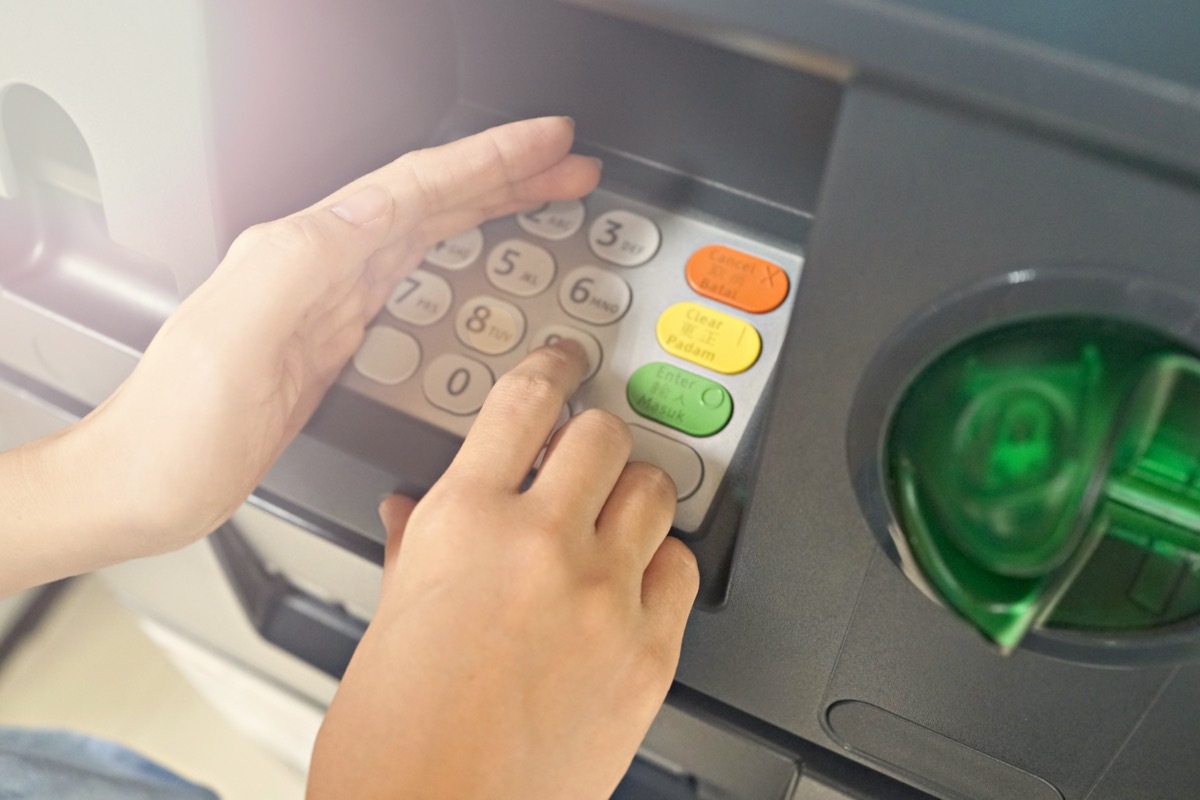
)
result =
(394, 511)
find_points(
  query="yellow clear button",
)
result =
(709, 338)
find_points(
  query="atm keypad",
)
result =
(421, 299)
(553, 333)
(624, 238)
(457, 252)
(595, 295)
(555, 220)
(708, 338)
(489, 325)
(457, 384)
(681, 321)
(520, 268)
(387, 356)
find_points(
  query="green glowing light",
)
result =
(1049, 473)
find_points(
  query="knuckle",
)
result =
(683, 564)
(625, 551)
(539, 546)
(598, 613)
(680, 554)
(500, 155)
(594, 601)
(294, 235)
(554, 520)
(655, 482)
(429, 194)
(250, 237)
(529, 386)
(606, 426)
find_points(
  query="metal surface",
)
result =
(625, 344)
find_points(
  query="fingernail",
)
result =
(367, 204)
(574, 349)
(570, 121)
(599, 163)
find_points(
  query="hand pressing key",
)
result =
(524, 640)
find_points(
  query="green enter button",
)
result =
(680, 399)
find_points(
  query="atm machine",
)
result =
(903, 293)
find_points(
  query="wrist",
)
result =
(116, 456)
(72, 503)
(60, 521)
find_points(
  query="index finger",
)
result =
(438, 179)
(519, 415)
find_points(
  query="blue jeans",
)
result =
(62, 765)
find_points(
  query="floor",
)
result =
(90, 667)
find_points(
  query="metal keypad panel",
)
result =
(681, 320)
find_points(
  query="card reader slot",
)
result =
(55, 251)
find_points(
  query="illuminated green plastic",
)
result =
(1049, 473)
(680, 399)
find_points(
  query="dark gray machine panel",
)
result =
(951, 167)
(920, 204)
(1122, 75)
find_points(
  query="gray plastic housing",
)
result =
(179, 104)
(133, 77)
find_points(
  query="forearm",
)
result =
(240, 366)
(63, 510)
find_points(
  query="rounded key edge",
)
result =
(750, 356)
(519, 316)
(585, 339)
(477, 244)
(682, 492)
(628, 263)
(570, 308)
(447, 356)
(373, 333)
(577, 206)
(767, 301)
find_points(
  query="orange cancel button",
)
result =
(737, 279)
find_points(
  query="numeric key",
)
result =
(594, 295)
(422, 298)
(519, 267)
(624, 238)
(457, 252)
(387, 356)
(457, 384)
(555, 220)
(490, 325)
(553, 333)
